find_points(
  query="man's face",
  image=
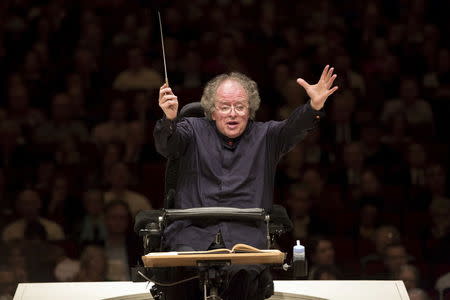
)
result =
(231, 112)
(395, 257)
(325, 253)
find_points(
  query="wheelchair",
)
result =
(150, 225)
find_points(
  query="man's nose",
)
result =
(233, 111)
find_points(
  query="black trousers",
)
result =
(244, 282)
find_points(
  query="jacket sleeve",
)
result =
(172, 137)
(284, 135)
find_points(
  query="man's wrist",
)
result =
(311, 104)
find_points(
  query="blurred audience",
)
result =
(121, 245)
(28, 207)
(119, 179)
(380, 156)
(93, 265)
(137, 76)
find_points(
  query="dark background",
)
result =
(380, 156)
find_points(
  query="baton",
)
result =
(163, 52)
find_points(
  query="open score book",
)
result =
(238, 248)
(239, 254)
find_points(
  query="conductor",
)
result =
(229, 160)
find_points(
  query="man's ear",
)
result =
(213, 116)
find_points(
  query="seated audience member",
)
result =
(121, 246)
(413, 175)
(314, 182)
(410, 276)
(128, 33)
(119, 178)
(115, 129)
(305, 221)
(293, 96)
(61, 206)
(418, 294)
(41, 255)
(354, 80)
(61, 123)
(142, 109)
(439, 231)
(67, 152)
(66, 269)
(191, 75)
(384, 236)
(14, 258)
(19, 109)
(341, 128)
(93, 265)
(320, 251)
(370, 189)
(436, 186)
(317, 154)
(8, 284)
(91, 228)
(326, 198)
(436, 81)
(14, 151)
(137, 76)
(28, 208)
(44, 174)
(369, 218)
(290, 167)
(418, 112)
(395, 256)
(377, 155)
(349, 174)
(437, 178)
(138, 150)
(442, 283)
(99, 173)
(396, 134)
(325, 272)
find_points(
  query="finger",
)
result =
(170, 103)
(330, 81)
(166, 98)
(166, 91)
(163, 86)
(324, 72)
(334, 89)
(329, 73)
(303, 83)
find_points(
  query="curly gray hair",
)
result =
(209, 93)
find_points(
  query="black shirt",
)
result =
(217, 171)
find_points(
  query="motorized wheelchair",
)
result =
(150, 224)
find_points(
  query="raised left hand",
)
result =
(320, 91)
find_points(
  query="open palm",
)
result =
(320, 91)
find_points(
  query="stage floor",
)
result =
(327, 289)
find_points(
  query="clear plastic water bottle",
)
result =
(299, 261)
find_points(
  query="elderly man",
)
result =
(228, 159)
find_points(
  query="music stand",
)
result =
(211, 264)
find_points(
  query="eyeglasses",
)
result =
(240, 109)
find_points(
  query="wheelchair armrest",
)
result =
(217, 213)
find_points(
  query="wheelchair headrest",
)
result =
(193, 109)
